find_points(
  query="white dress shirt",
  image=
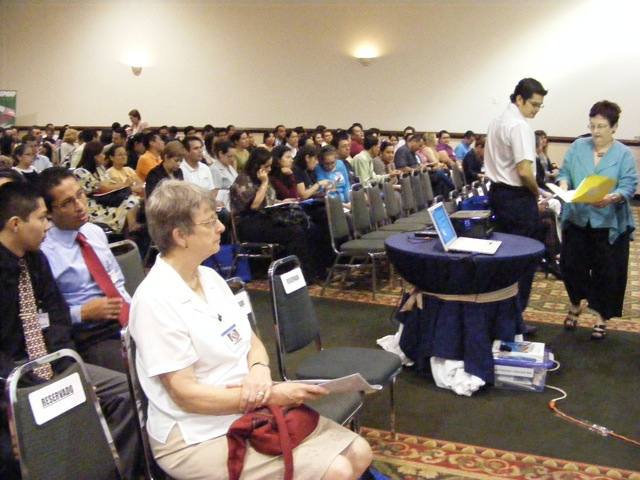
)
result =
(201, 175)
(223, 177)
(174, 328)
(510, 140)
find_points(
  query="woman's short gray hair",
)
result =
(172, 205)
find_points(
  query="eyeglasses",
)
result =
(208, 223)
(67, 203)
(538, 105)
(600, 126)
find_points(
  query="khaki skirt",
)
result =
(208, 460)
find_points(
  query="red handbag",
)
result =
(271, 430)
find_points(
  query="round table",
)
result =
(460, 330)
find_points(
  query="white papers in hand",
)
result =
(350, 383)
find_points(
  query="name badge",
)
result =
(293, 280)
(243, 302)
(57, 398)
(43, 320)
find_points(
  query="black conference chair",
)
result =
(152, 470)
(296, 327)
(128, 257)
(74, 444)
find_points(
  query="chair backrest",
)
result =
(457, 177)
(394, 207)
(294, 317)
(418, 194)
(141, 404)
(128, 257)
(408, 200)
(237, 286)
(338, 225)
(378, 211)
(73, 443)
(427, 188)
(360, 215)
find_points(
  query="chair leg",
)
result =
(392, 408)
(329, 275)
(373, 276)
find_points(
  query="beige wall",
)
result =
(443, 64)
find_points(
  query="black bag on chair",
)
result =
(288, 215)
(113, 198)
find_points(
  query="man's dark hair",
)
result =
(414, 137)
(120, 131)
(353, 125)
(324, 151)
(290, 131)
(133, 139)
(17, 199)
(186, 141)
(106, 136)
(526, 88)
(321, 128)
(115, 126)
(469, 134)
(27, 137)
(442, 132)
(222, 146)
(173, 130)
(338, 137)
(229, 127)
(373, 131)
(148, 138)
(189, 128)
(370, 141)
(408, 128)
(385, 144)
(208, 128)
(299, 130)
(49, 179)
(87, 135)
(219, 131)
(609, 110)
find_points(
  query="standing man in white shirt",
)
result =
(510, 164)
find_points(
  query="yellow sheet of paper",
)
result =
(593, 189)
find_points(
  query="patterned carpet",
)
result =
(409, 457)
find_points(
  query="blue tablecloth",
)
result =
(460, 330)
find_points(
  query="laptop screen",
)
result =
(443, 224)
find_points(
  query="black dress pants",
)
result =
(516, 211)
(594, 269)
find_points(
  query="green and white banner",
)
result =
(7, 108)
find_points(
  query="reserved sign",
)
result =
(57, 398)
(293, 280)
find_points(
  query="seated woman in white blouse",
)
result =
(200, 364)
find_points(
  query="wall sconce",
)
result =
(365, 54)
(137, 60)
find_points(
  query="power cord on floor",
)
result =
(599, 429)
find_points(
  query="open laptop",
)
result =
(450, 240)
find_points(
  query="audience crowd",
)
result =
(93, 186)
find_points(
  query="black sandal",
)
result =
(599, 331)
(571, 321)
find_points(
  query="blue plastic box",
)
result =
(526, 375)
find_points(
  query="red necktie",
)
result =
(101, 277)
